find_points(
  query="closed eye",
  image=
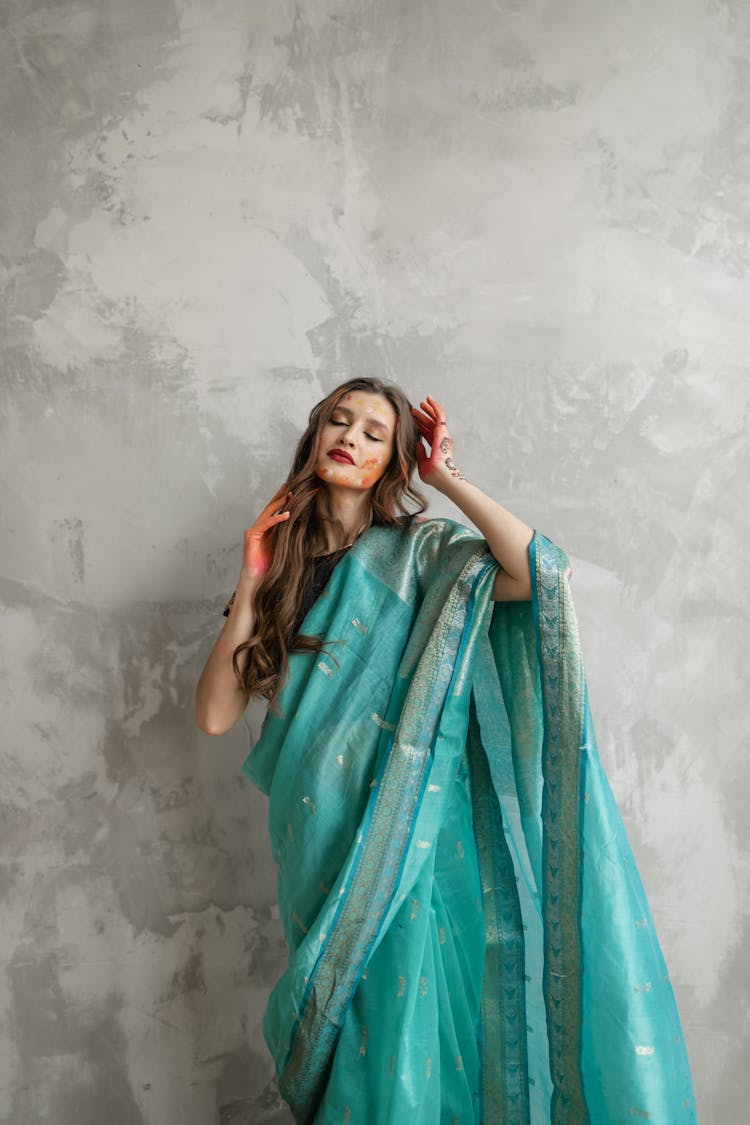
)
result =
(370, 436)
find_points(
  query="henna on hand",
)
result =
(429, 420)
(455, 472)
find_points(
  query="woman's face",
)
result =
(362, 425)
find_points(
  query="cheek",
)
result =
(373, 469)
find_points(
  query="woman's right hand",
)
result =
(258, 554)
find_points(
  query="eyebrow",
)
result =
(373, 422)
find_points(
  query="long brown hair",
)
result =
(294, 542)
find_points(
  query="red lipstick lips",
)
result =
(341, 455)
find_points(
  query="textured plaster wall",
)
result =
(212, 212)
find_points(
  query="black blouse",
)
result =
(323, 567)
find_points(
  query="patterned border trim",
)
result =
(504, 1070)
(389, 824)
(563, 693)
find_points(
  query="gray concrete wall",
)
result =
(212, 213)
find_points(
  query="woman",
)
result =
(468, 936)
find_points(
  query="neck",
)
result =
(351, 508)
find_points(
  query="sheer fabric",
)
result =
(469, 939)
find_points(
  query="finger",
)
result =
(439, 420)
(436, 407)
(435, 418)
(268, 522)
(273, 505)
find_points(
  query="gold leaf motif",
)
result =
(363, 1044)
(401, 986)
(460, 849)
(309, 802)
(299, 922)
(441, 935)
(423, 986)
(382, 722)
(428, 1067)
(414, 908)
(645, 1050)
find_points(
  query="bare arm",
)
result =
(220, 700)
(507, 536)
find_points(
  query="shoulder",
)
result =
(443, 546)
(441, 528)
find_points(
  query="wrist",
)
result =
(249, 582)
(445, 481)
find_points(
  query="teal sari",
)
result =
(469, 939)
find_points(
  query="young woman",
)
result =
(469, 940)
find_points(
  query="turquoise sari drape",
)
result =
(469, 939)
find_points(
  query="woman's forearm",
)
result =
(507, 536)
(219, 699)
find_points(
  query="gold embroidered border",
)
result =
(394, 806)
(562, 765)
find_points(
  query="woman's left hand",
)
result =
(436, 466)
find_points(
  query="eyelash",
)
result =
(370, 436)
